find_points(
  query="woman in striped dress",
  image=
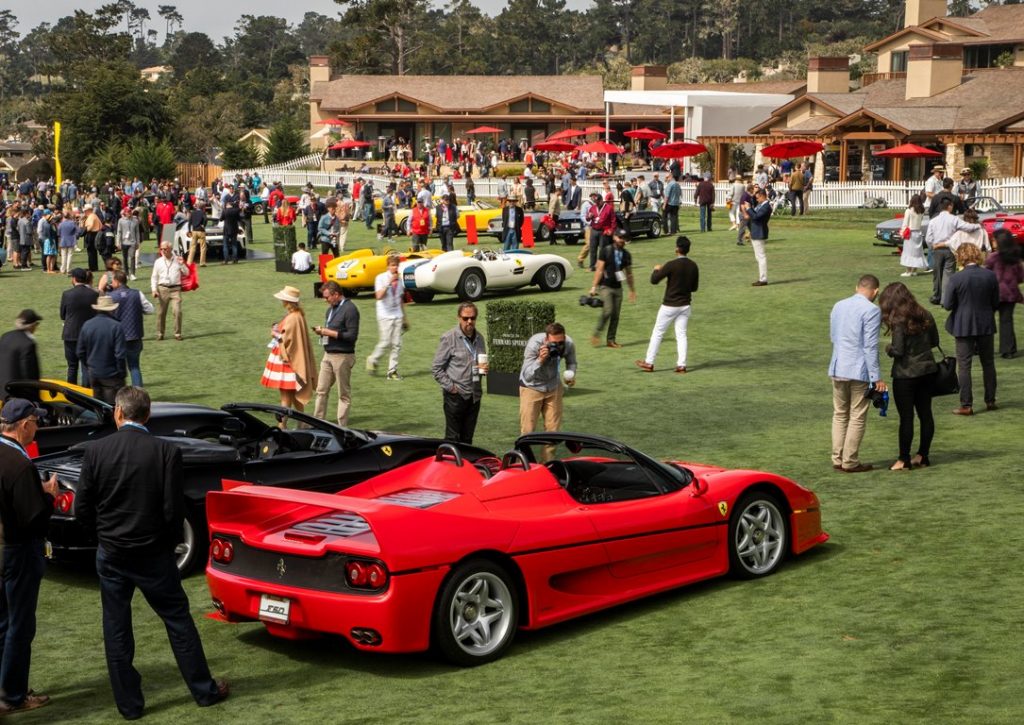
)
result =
(290, 367)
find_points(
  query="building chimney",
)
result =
(916, 12)
(649, 78)
(319, 69)
(828, 75)
(934, 68)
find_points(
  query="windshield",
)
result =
(619, 462)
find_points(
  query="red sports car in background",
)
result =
(441, 552)
(1011, 222)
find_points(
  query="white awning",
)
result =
(694, 99)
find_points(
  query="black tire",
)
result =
(544, 233)
(191, 551)
(257, 209)
(573, 241)
(471, 285)
(404, 226)
(758, 535)
(655, 230)
(464, 637)
(551, 277)
(421, 296)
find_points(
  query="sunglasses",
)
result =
(469, 319)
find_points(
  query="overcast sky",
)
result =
(215, 19)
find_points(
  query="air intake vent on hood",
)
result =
(418, 498)
(337, 524)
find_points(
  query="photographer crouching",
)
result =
(540, 390)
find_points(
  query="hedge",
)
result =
(509, 325)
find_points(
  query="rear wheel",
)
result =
(471, 286)
(192, 547)
(421, 296)
(544, 233)
(257, 209)
(758, 537)
(655, 230)
(572, 240)
(404, 226)
(475, 615)
(551, 277)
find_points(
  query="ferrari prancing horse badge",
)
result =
(723, 508)
(386, 450)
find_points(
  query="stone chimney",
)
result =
(828, 75)
(916, 12)
(319, 69)
(648, 78)
(933, 68)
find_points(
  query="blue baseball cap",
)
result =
(16, 410)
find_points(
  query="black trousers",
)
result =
(90, 249)
(71, 355)
(460, 415)
(447, 236)
(1007, 336)
(910, 395)
(156, 576)
(23, 567)
(796, 195)
(105, 389)
(671, 219)
(943, 267)
(966, 348)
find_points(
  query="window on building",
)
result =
(387, 106)
(988, 56)
(522, 106)
(396, 105)
(898, 64)
(405, 106)
(540, 106)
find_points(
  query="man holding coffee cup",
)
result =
(459, 365)
(540, 390)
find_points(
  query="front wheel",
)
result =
(544, 233)
(655, 230)
(192, 544)
(257, 209)
(475, 614)
(758, 537)
(471, 286)
(404, 226)
(551, 277)
(421, 296)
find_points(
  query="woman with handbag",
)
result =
(914, 334)
(912, 257)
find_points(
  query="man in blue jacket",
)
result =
(131, 306)
(854, 327)
(101, 347)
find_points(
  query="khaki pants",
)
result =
(342, 238)
(533, 403)
(586, 245)
(849, 414)
(335, 368)
(390, 331)
(168, 297)
(198, 240)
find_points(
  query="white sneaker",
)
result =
(907, 274)
(133, 278)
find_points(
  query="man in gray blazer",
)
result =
(972, 297)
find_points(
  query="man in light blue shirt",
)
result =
(854, 328)
(673, 199)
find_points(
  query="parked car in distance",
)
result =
(470, 275)
(888, 232)
(358, 270)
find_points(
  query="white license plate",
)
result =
(575, 225)
(274, 609)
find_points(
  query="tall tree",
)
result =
(286, 143)
(171, 17)
(396, 26)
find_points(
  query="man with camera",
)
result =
(540, 390)
(614, 266)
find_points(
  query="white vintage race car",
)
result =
(470, 275)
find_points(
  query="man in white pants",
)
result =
(391, 320)
(683, 276)
(757, 221)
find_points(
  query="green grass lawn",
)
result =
(911, 613)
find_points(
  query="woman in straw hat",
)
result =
(290, 367)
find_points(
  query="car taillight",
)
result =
(64, 502)
(366, 574)
(221, 550)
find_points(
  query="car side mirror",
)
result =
(698, 487)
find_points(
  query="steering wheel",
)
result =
(561, 473)
(276, 441)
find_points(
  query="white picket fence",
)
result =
(825, 195)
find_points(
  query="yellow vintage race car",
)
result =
(358, 270)
(482, 211)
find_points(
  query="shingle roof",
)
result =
(459, 93)
(1000, 23)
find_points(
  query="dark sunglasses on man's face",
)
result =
(469, 319)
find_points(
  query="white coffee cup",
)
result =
(481, 359)
(569, 376)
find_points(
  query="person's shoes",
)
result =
(32, 701)
(919, 461)
(202, 265)
(759, 283)
(681, 369)
(159, 336)
(934, 300)
(861, 468)
(900, 466)
(963, 410)
(991, 406)
(132, 277)
(904, 274)
(223, 690)
(579, 264)
(644, 365)
(612, 343)
(739, 244)
(371, 368)
(393, 375)
(837, 467)
(178, 338)
(223, 263)
(595, 341)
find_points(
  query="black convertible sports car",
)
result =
(74, 416)
(249, 446)
(569, 227)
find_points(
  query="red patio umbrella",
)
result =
(679, 150)
(645, 133)
(556, 146)
(349, 143)
(908, 151)
(679, 130)
(791, 149)
(597, 129)
(600, 147)
(566, 133)
(484, 129)
(334, 122)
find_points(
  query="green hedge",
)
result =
(508, 171)
(509, 325)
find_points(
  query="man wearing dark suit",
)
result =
(573, 196)
(131, 494)
(511, 226)
(446, 222)
(75, 308)
(18, 357)
(972, 297)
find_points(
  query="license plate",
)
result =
(998, 225)
(274, 609)
(575, 225)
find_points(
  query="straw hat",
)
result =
(105, 304)
(288, 294)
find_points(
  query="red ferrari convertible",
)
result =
(446, 553)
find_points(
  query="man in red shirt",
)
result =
(605, 222)
(276, 196)
(419, 226)
(164, 215)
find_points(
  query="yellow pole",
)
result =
(56, 150)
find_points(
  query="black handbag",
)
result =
(945, 381)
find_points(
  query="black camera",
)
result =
(590, 301)
(879, 399)
(555, 349)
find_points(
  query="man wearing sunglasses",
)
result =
(459, 365)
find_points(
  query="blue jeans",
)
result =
(508, 241)
(156, 576)
(133, 351)
(705, 217)
(23, 566)
(230, 248)
(368, 214)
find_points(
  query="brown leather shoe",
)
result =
(859, 469)
(681, 369)
(644, 365)
(612, 343)
(759, 283)
(31, 702)
(595, 341)
(991, 406)
(837, 467)
(223, 690)
(963, 410)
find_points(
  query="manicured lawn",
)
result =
(911, 613)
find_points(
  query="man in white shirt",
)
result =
(302, 262)
(165, 283)
(941, 228)
(391, 322)
(934, 184)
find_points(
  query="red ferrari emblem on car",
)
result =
(723, 508)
